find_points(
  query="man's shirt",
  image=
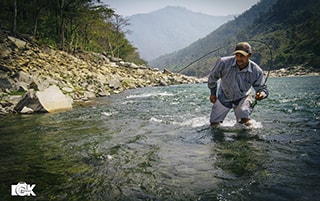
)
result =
(235, 84)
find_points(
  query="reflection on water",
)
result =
(156, 144)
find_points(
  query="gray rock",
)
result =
(67, 89)
(113, 64)
(115, 59)
(53, 100)
(5, 83)
(163, 83)
(5, 68)
(133, 65)
(30, 101)
(24, 77)
(22, 86)
(88, 95)
(102, 92)
(114, 83)
(49, 100)
(4, 51)
(19, 43)
(26, 110)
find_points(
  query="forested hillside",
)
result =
(290, 27)
(69, 25)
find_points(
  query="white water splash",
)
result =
(149, 95)
(194, 122)
(232, 124)
(203, 121)
(108, 114)
(153, 119)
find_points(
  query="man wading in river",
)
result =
(237, 74)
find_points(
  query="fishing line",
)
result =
(270, 59)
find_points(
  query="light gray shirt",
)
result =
(235, 84)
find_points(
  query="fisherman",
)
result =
(237, 74)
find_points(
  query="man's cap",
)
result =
(243, 48)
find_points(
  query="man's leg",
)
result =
(243, 111)
(218, 113)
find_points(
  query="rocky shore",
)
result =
(27, 68)
(27, 71)
(293, 71)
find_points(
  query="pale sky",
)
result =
(211, 7)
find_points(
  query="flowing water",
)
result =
(156, 144)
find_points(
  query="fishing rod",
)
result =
(269, 69)
(219, 48)
(213, 51)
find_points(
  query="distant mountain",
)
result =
(289, 27)
(169, 29)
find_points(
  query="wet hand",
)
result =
(260, 95)
(213, 99)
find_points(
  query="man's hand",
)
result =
(213, 99)
(260, 95)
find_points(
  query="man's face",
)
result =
(242, 61)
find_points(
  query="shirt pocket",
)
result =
(245, 84)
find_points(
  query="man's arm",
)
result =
(214, 76)
(260, 87)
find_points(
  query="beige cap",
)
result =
(243, 48)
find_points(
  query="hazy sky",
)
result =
(211, 7)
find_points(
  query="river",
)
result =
(156, 144)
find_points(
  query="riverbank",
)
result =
(293, 71)
(25, 66)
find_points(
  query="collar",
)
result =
(246, 69)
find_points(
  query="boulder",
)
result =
(4, 51)
(5, 83)
(29, 104)
(115, 59)
(19, 43)
(24, 77)
(88, 95)
(163, 83)
(133, 65)
(49, 100)
(53, 100)
(114, 83)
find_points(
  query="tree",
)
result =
(69, 25)
(15, 17)
(119, 23)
